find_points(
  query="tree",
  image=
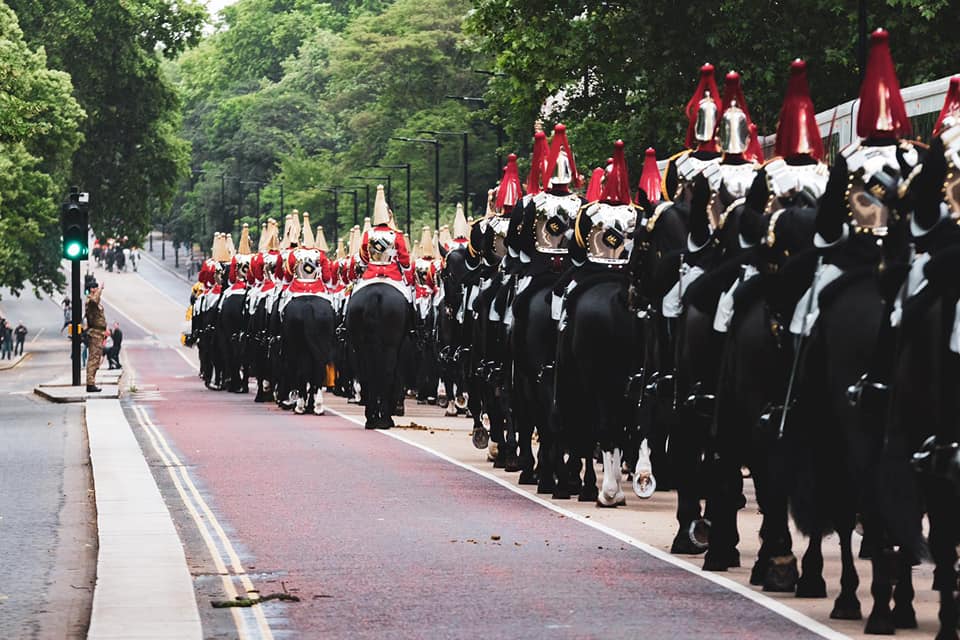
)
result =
(626, 69)
(39, 121)
(132, 157)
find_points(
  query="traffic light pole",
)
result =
(77, 316)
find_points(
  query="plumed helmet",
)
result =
(650, 178)
(735, 122)
(797, 131)
(244, 246)
(538, 161)
(882, 111)
(510, 191)
(616, 186)
(595, 188)
(561, 168)
(461, 229)
(950, 113)
(702, 111)
(322, 240)
(308, 242)
(381, 211)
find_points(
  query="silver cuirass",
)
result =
(555, 215)
(382, 246)
(610, 239)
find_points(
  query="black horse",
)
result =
(309, 323)
(378, 321)
(231, 329)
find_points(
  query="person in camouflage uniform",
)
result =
(96, 326)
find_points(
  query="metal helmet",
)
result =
(706, 118)
(734, 130)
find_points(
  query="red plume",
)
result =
(233, 270)
(732, 90)
(510, 190)
(797, 131)
(595, 188)
(707, 83)
(882, 111)
(256, 266)
(951, 106)
(559, 142)
(538, 163)
(616, 188)
(650, 178)
(754, 152)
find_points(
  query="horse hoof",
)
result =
(721, 560)
(781, 575)
(481, 438)
(589, 494)
(319, 411)
(546, 484)
(500, 460)
(385, 423)
(432, 401)
(527, 477)
(512, 464)
(610, 502)
(261, 397)
(880, 623)
(904, 617)
(644, 484)
(683, 545)
(450, 411)
(757, 572)
(370, 424)
(811, 587)
(561, 494)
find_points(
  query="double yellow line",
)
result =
(210, 528)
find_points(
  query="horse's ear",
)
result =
(443, 252)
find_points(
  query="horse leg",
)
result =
(811, 584)
(904, 615)
(721, 510)
(685, 460)
(776, 566)
(943, 538)
(880, 621)
(847, 606)
(588, 492)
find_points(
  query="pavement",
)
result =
(48, 535)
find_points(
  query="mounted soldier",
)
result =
(843, 323)
(309, 322)
(379, 316)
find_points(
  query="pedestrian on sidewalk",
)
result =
(96, 328)
(113, 357)
(21, 334)
(6, 331)
(135, 257)
(67, 314)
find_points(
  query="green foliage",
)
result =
(132, 156)
(39, 121)
(309, 94)
(641, 60)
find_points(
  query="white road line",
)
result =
(228, 587)
(38, 335)
(774, 605)
(227, 546)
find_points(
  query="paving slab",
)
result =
(144, 588)
(10, 364)
(68, 393)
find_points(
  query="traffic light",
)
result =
(74, 224)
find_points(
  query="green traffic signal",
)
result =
(74, 225)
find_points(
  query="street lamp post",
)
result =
(436, 172)
(380, 179)
(257, 184)
(402, 165)
(366, 189)
(354, 192)
(335, 190)
(496, 125)
(466, 156)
